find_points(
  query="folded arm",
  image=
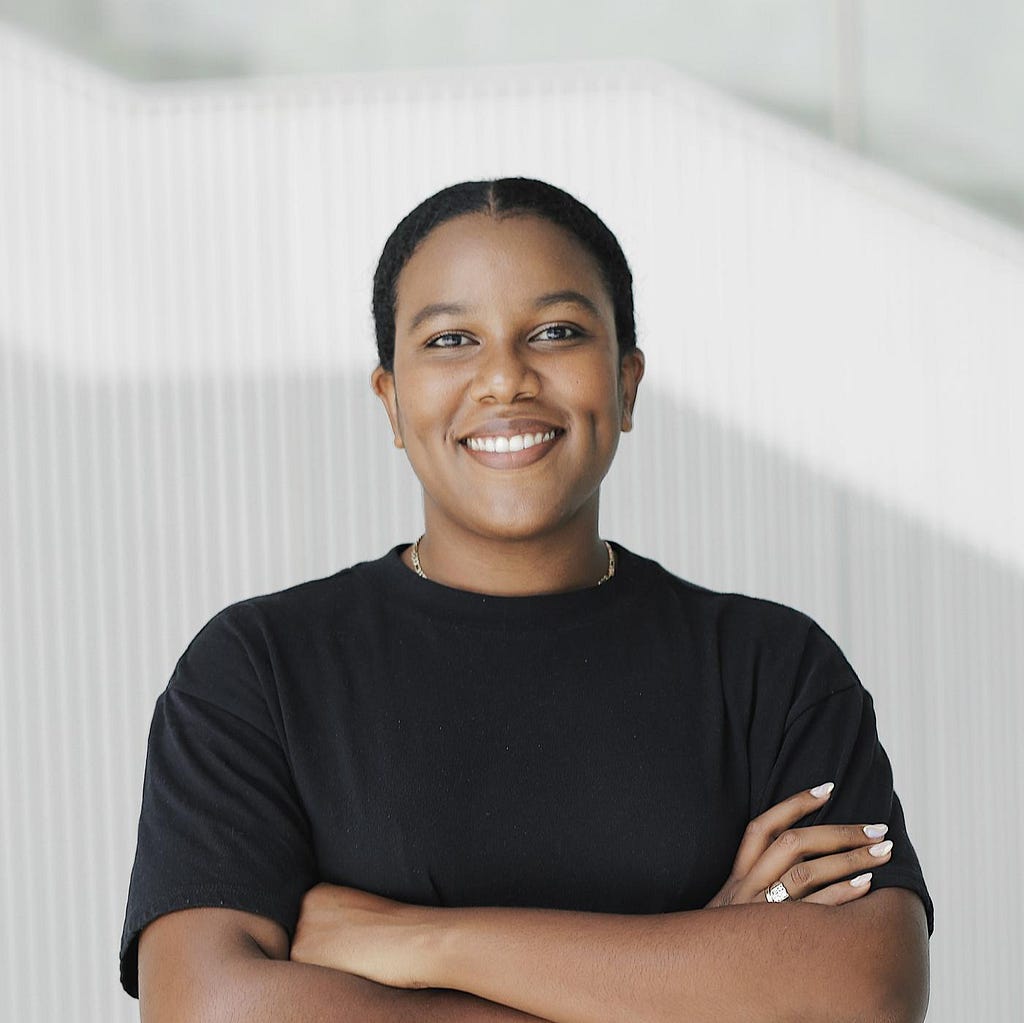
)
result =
(796, 961)
(793, 961)
(221, 965)
(818, 957)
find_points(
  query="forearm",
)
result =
(729, 963)
(246, 984)
(279, 991)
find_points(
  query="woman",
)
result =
(512, 770)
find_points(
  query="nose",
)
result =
(504, 374)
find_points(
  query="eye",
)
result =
(449, 339)
(568, 333)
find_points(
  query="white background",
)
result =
(830, 419)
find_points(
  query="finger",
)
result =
(845, 891)
(810, 876)
(788, 853)
(766, 827)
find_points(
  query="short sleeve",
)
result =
(221, 823)
(830, 734)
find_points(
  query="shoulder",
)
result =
(284, 614)
(317, 597)
(239, 655)
(744, 618)
(757, 645)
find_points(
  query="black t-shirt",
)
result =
(597, 750)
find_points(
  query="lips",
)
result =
(511, 443)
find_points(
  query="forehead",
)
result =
(479, 256)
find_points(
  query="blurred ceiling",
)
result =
(931, 88)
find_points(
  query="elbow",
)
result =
(901, 1003)
(893, 1010)
(890, 951)
(899, 990)
(877, 979)
(903, 999)
(876, 999)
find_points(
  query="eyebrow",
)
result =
(567, 296)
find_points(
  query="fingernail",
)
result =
(881, 849)
(860, 880)
(875, 830)
(823, 790)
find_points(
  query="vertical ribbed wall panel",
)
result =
(829, 419)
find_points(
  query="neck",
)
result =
(565, 560)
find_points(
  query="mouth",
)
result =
(503, 443)
(511, 450)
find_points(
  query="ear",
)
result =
(383, 383)
(631, 371)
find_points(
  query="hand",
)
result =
(770, 853)
(366, 935)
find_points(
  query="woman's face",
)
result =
(507, 392)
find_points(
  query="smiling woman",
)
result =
(505, 382)
(513, 762)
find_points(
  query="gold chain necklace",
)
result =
(423, 575)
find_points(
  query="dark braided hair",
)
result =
(502, 197)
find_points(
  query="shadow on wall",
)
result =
(138, 508)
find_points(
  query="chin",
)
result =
(518, 522)
(514, 529)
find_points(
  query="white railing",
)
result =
(830, 419)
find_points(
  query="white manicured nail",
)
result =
(881, 849)
(875, 830)
(860, 880)
(823, 790)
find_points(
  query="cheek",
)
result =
(601, 397)
(426, 403)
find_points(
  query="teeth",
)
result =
(505, 444)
